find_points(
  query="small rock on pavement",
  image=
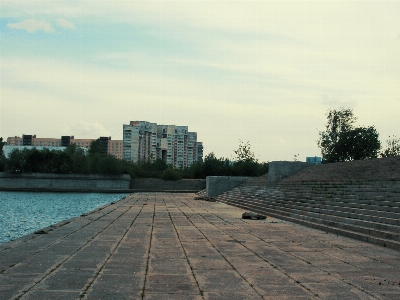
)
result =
(253, 216)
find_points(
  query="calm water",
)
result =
(22, 213)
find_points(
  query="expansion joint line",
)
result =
(184, 251)
(113, 250)
(56, 267)
(276, 267)
(223, 256)
(256, 254)
(148, 253)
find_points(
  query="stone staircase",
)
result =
(358, 199)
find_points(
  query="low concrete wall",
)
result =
(282, 169)
(63, 182)
(155, 185)
(216, 185)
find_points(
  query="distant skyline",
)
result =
(259, 71)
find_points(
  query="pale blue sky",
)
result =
(259, 71)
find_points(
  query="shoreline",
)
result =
(105, 191)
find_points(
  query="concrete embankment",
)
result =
(169, 246)
(40, 182)
(64, 182)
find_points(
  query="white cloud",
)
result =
(83, 128)
(335, 103)
(32, 25)
(64, 23)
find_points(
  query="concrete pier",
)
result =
(169, 246)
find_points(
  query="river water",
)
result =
(22, 213)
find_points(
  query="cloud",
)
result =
(64, 23)
(84, 128)
(334, 102)
(32, 26)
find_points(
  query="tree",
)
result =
(342, 141)
(339, 121)
(392, 147)
(16, 161)
(243, 153)
(2, 156)
(213, 166)
(1, 146)
(97, 147)
(358, 143)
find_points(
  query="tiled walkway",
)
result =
(169, 246)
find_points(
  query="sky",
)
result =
(263, 72)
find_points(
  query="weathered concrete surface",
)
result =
(216, 185)
(281, 169)
(64, 182)
(168, 246)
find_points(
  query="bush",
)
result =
(171, 174)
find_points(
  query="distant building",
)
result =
(145, 141)
(314, 160)
(114, 147)
(199, 150)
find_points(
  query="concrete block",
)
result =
(282, 169)
(217, 185)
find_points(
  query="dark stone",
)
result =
(253, 216)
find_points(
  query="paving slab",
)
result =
(170, 246)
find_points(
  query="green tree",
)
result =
(79, 161)
(171, 174)
(244, 153)
(3, 160)
(339, 122)
(1, 146)
(196, 170)
(16, 161)
(392, 147)
(97, 147)
(213, 166)
(358, 143)
(109, 165)
(246, 163)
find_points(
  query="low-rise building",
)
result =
(114, 147)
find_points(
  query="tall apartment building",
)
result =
(114, 147)
(199, 149)
(145, 141)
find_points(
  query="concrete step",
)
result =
(341, 209)
(391, 208)
(332, 227)
(344, 198)
(374, 228)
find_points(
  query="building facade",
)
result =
(145, 141)
(114, 147)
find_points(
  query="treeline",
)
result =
(74, 160)
(71, 160)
